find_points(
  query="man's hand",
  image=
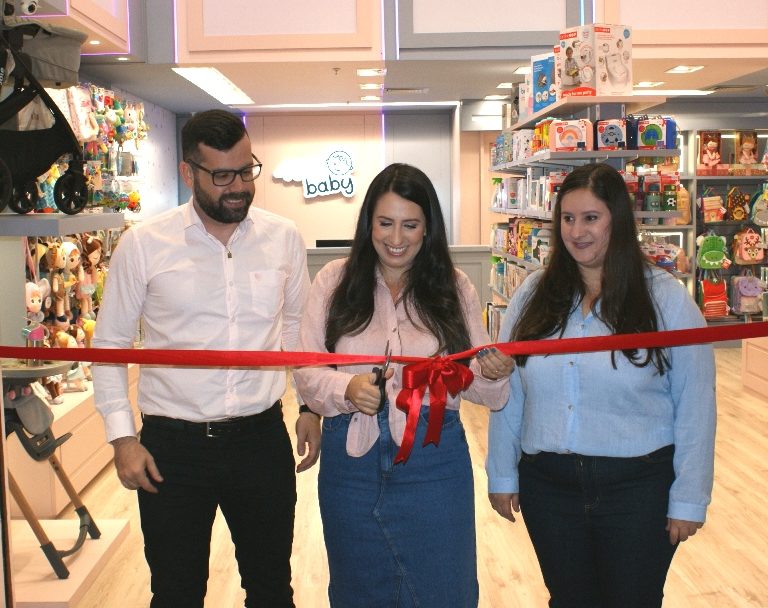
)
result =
(135, 465)
(308, 435)
(505, 504)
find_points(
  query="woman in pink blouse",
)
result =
(396, 534)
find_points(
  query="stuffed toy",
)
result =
(74, 379)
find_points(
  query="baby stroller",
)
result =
(27, 154)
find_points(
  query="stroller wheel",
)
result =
(6, 184)
(70, 193)
(24, 199)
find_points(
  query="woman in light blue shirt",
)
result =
(609, 455)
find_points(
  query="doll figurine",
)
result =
(91, 268)
(72, 275)
(748, 151)
(710, 155)
(35, 331)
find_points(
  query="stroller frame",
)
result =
(25, 155)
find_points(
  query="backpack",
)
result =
(759, 214)
(713, 296)
(748, 247)
(746, 294)
(711, 252)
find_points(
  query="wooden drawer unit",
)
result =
(754, 365)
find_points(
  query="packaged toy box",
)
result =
(611, 134)
(594, 59)
(544, 88)
(570, 135)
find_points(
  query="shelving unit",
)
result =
(721, 184)
(12, 251)
(593, 108)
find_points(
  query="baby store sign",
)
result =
(324, 175)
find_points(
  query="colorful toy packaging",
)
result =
(594, 59)
(544, 88)
(571, 135)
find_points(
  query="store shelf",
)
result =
(579, 157)
(729, 178)
(56, 224)
(567, 106)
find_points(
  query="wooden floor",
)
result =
(724, 566)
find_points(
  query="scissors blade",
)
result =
(381, 375)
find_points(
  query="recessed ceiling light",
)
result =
(123, 59)
(365, 72)
(648, 84)
(215, 84)
(94, 42)
(684, 69)
(505, 85)
(672, 92)
(370, 98)
(495, 97)
(522, 70)
(371, 86)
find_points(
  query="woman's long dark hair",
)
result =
(430, 283)
(626, 305)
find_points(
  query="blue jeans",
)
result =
(597, 525)
(250, 477)
(399, 536)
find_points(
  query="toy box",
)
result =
(611, 134)
(570, 135)
(594, 59)
(544, 89)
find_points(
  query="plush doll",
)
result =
(72, 275)
(54, 257)
(74, 379)
(35, 331)
(748, 151)
(91, 267)
(710, 155)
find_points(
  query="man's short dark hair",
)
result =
(217, 129)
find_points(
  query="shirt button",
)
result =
(570, 407)
(570, 363)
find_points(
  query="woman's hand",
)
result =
(505, 504)
(679, 529)
(364, 393)
(495, 365)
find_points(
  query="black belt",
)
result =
(217, 428)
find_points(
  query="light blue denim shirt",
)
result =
(579, 403)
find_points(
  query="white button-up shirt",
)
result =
(193, 292)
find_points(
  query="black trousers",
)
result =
(250, 477)
(597, 525)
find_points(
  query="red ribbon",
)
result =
(442, 376)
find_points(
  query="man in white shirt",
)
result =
(213, 274)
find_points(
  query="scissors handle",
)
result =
(381, 382)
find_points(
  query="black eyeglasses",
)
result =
(224, 177)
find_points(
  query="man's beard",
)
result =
(219, 210)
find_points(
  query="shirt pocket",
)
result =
(267, 289)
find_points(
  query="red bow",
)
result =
(442, 376)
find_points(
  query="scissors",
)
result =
(381, 376)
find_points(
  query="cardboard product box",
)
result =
(595, 59)
(611, 134)
(571, 135)
(544, 88)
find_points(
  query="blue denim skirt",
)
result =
(399, 536)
